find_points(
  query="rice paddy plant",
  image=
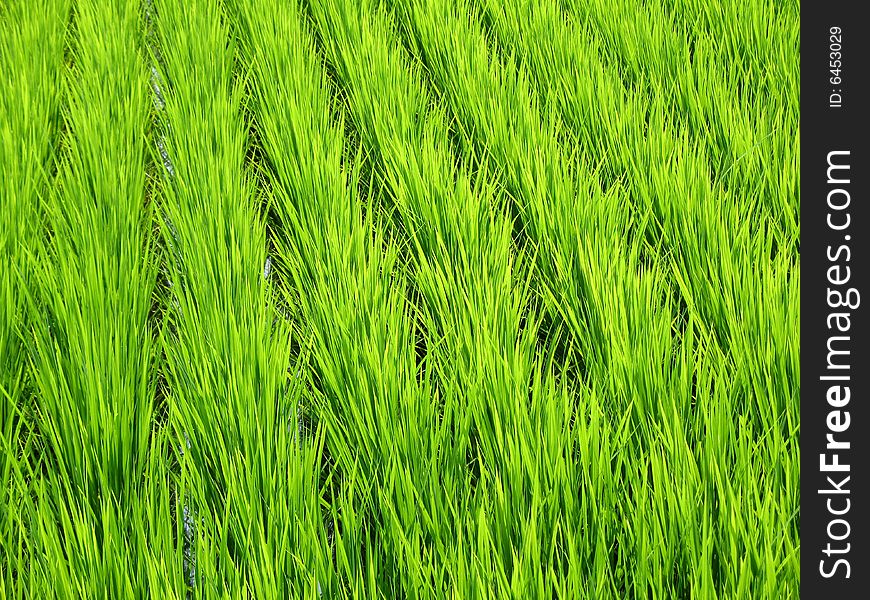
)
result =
(472, 291)
(707, 254)
(87, 481)
(30, 122)
(233, 396)
(586, 244)
(372, 405)
(407, 299)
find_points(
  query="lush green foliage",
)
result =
(405, 299)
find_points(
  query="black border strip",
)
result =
(834, 221)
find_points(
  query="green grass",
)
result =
(409, 299)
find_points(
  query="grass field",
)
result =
(460, 299)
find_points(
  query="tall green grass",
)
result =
(341, 272)
(407, 299)
(667, 139)
(29, 125)
(480, 333)
(232, 403)
(88, 477)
